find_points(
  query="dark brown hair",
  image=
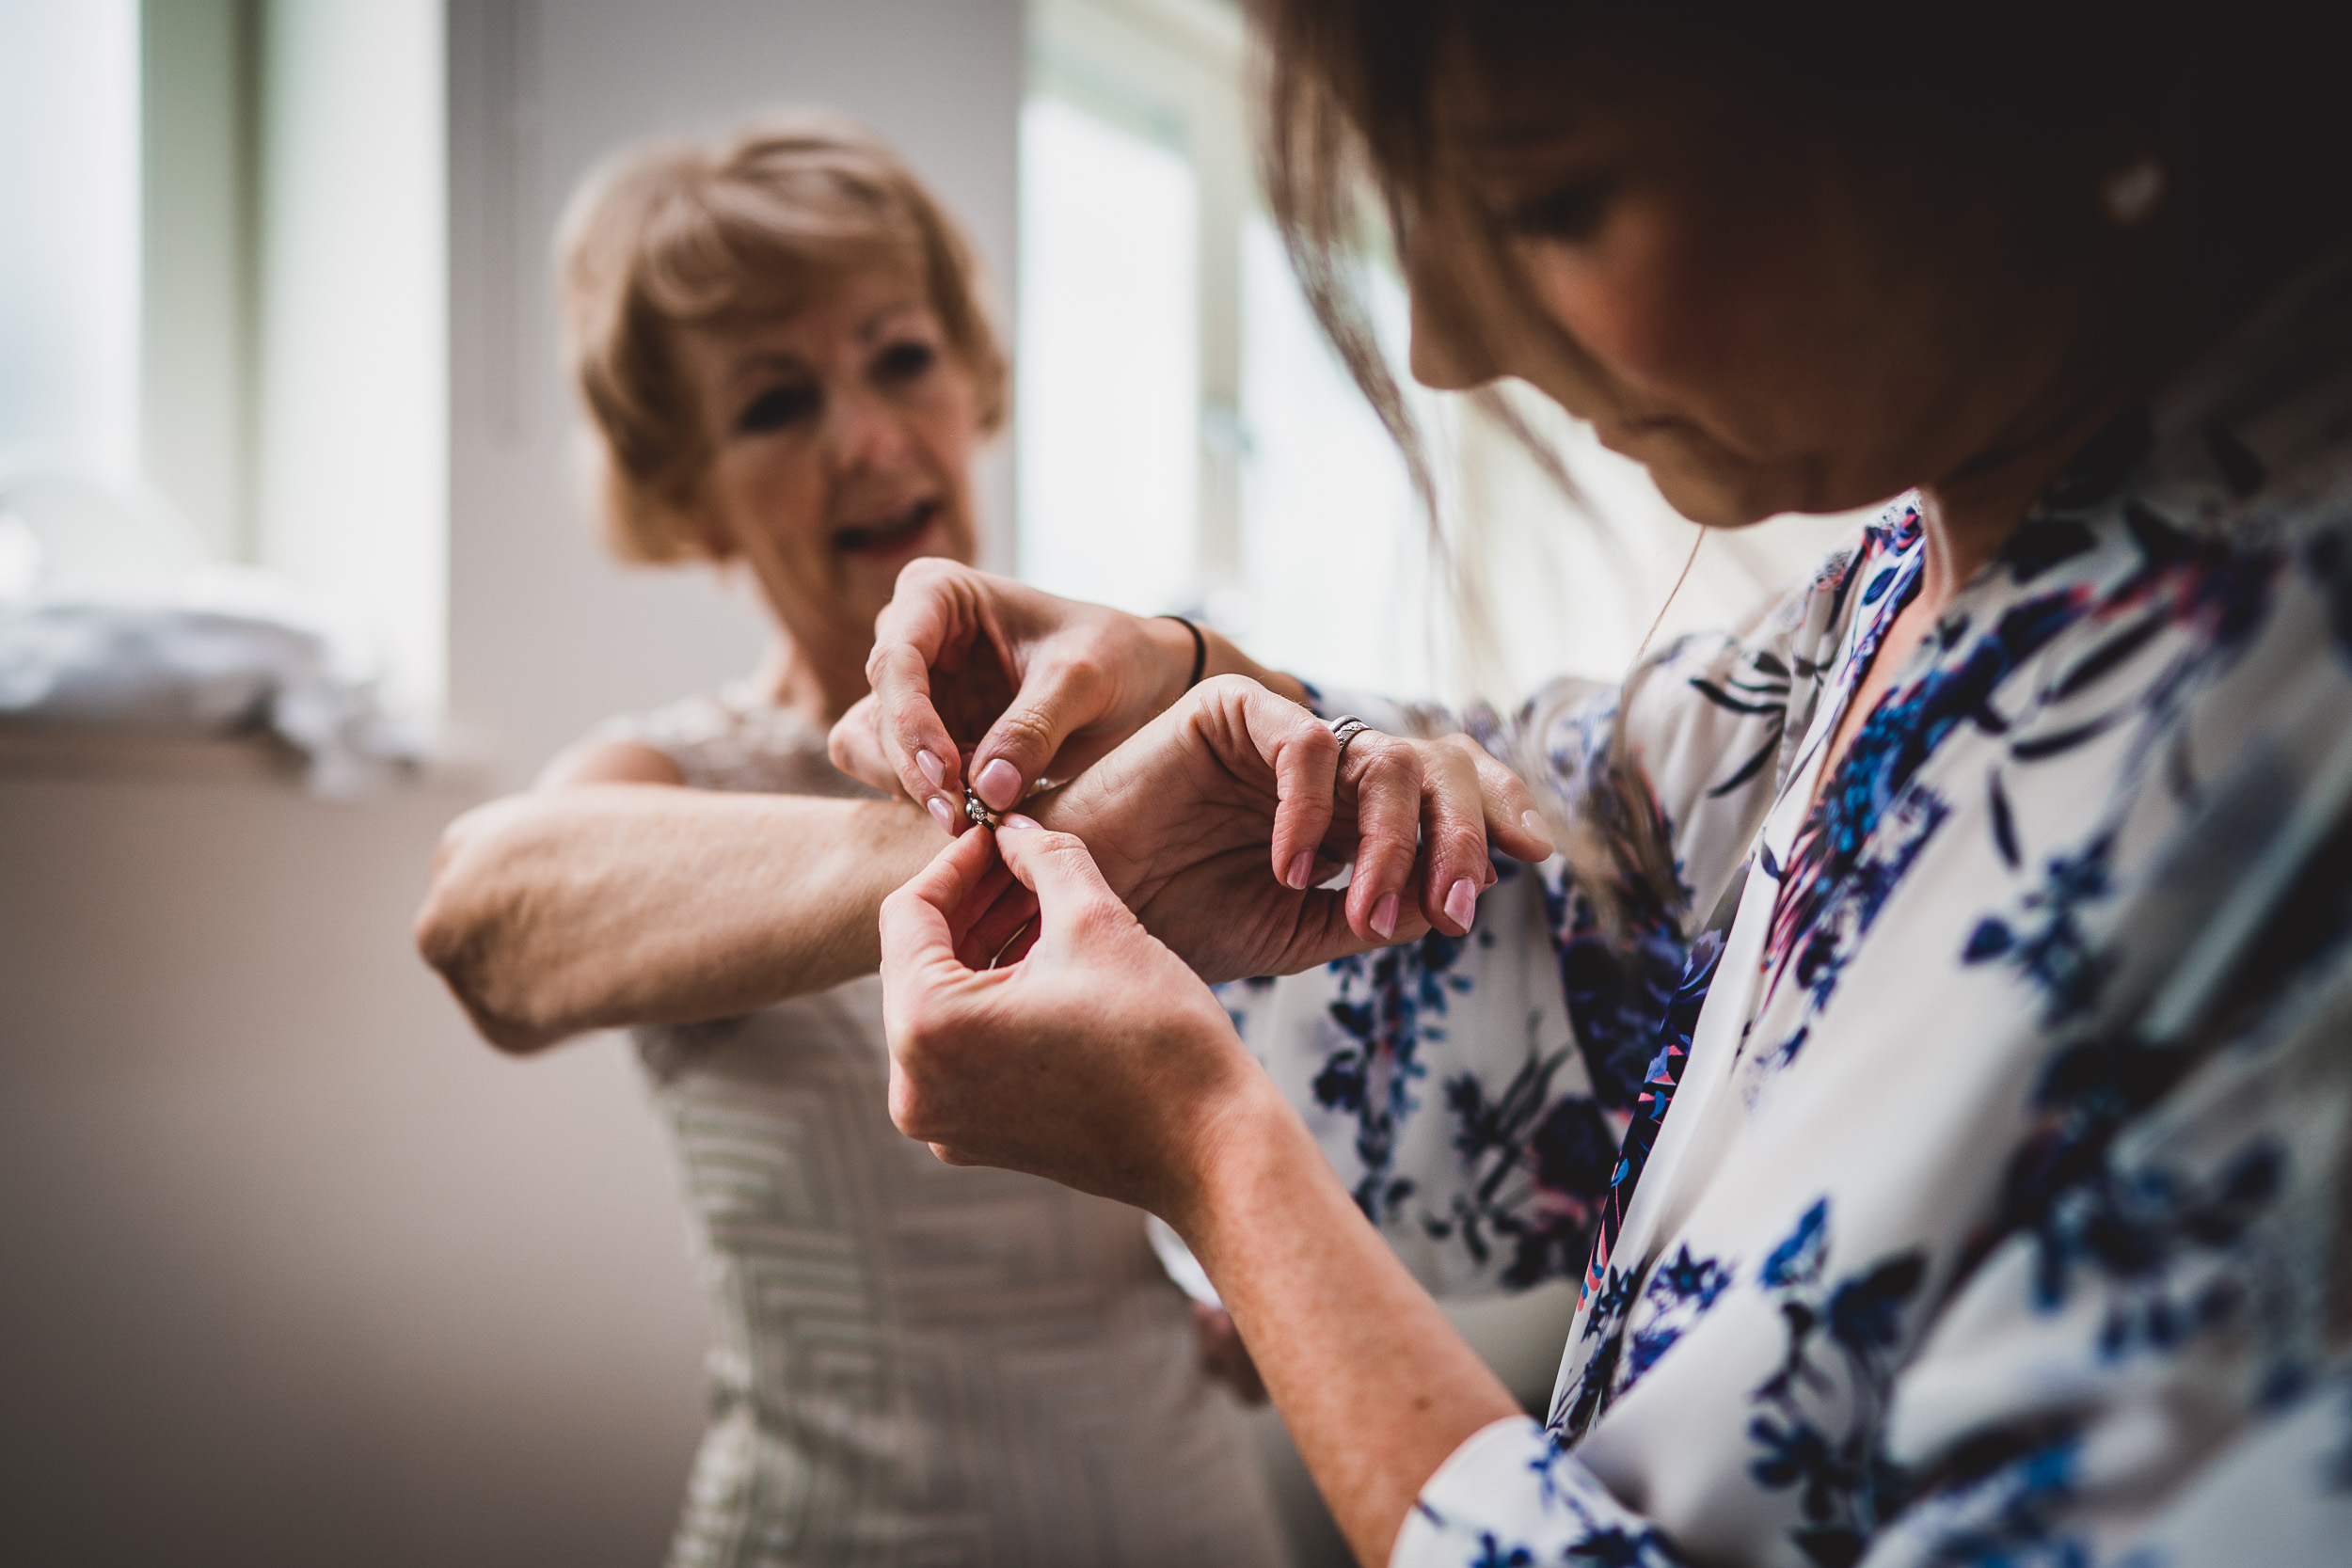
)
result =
(2244, 101)
(2241, 103)
(678, 235)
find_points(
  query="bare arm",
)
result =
(1375, 1388)
(611, 896)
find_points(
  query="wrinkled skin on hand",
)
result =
(1215, 823)
(1098, 1059)
(968, 668)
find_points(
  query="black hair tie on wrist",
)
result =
(1199, 649)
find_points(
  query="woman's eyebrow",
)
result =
(764, 361)
(875, 325)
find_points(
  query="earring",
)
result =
(2132, 194)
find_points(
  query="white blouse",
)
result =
(914, 1363)
(1955, 1151)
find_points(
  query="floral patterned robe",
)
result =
(1956, 1152)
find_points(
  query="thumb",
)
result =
(919, 926)
(1074, 904)
(1058, 698)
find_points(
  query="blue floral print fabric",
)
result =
(1954, 1148)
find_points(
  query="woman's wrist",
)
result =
(1174, 643)
(1247, 1146)
(1180, 646)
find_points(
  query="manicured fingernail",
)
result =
(930, 766)
(1532, 824)
(1301, 868)
(1461, 902)
(942, 813)
(1019, 823)
(1384, 917)
(998, 785)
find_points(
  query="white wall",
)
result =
(298, 1273)
(292, 1270)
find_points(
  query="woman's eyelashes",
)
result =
(776, 407)
(896, 365)
(1571, 212)
(909, 360)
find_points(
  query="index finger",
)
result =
(913, 741)
(910, 635)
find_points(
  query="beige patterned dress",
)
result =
(915, 1363)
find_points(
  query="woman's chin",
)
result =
(1719, 496)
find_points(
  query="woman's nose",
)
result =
(864, 431)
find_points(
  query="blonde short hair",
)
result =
(678, 235)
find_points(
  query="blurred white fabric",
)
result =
(1182, 1266)
(109, 623)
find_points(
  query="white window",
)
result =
(69, 247)
(1107, 362)
(222, 297)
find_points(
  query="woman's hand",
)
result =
(1216, 822)
(1098, 1060)
(979, 678)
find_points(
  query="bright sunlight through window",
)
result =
(1107, 375)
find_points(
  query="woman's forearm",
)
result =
(604, 905)
(1375, 1386)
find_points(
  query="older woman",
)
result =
(1960, 957)
(780, 344)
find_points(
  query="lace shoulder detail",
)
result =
(732, 740)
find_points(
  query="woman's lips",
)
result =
(890, 536)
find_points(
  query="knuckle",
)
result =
(1462, 749)
(889, 659)
(924, 570)
(1229, 686)
(1098, 923)
(909, 1111)
(1081, 672)
(1392, 760)
(918, 1039)
(1496, 777)
(1025, 729)
(1066, 847)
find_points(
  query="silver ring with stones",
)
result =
(975, 808)
(1345, 729)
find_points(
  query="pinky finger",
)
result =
(1515, 824)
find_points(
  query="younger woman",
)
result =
(1966, 946)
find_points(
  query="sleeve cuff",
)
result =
(1466, 1488)
(1182, 1266)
